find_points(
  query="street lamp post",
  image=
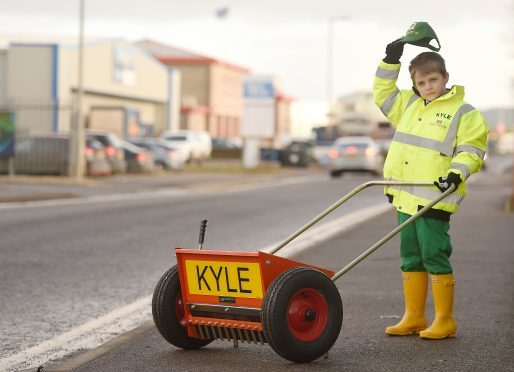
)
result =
(77, 133)
(330, 57)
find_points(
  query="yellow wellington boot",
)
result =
(415, 286)
(444, 325)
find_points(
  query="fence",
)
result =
(41, 139)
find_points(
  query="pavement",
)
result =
(483, 259)
(213, 175)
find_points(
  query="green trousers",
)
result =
(425, 245)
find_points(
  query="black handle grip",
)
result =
(203, 226)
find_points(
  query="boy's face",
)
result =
(430, 85)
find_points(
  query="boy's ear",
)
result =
(446, 78)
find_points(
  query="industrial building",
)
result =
(125, 89)
(212, 89)
(217, 97)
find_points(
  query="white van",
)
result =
(195, 145)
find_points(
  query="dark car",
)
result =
(297, 154)
(138, 160)
(113, 149)
(165, 155)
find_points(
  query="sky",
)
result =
(289, 39)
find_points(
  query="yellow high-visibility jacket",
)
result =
(431, 140)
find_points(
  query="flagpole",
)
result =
(222, 14)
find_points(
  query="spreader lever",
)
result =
(203, 226)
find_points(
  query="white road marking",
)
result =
(89, 335)
(100, 330)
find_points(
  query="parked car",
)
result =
(297, 154)
(225, 144)
(355, 154)
(139, 160)
(196, 145)
(165, 155)
(113, 149)
(96, 159)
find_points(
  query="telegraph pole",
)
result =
(77, 142)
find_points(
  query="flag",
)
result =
(222, 12)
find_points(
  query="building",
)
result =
(283, 126)
(357, 114)
(125, 89)
(212, 89)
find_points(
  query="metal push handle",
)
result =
(388, 237)
(380, 242)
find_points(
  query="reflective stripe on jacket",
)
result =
(447, 135)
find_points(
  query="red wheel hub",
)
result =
(179, 307)
(307, 314)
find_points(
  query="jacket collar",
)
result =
(456, 91)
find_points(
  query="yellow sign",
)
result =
(231, 279)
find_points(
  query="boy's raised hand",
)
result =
(394, 52)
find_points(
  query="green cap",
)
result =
(421, 34)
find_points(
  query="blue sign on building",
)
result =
(259, 89)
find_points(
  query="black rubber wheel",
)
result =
(168, 310)
(302, 314)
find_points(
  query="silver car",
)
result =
(165, 156)
(355, 154)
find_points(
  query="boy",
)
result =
(438, 138)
